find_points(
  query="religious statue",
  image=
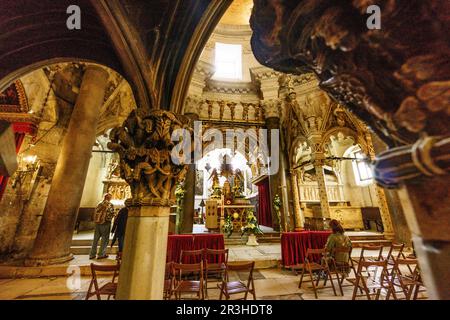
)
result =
(232, 107)
(144, 145)
(210, 108)
(221, 109)
(217, 190)
(238, 182)
(245, 111)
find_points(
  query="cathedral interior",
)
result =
(245, 127)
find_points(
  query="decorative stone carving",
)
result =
(144, 145)
(399, 85)
(272, 108)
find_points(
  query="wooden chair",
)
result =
(228, 288)
(392, 257)
(215, 268)
(168, 281)
(192, 256)
(109, 288)
(342, 268)
(408, 283)
(310, 266)
(377, 250)
(182, 284)
(372, 283)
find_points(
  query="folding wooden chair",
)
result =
(216, 268)
(372, 283)
(109, 288)
(228, 288)
(408, 283)
(192, 256)
(392, 256)
(182, 285)
(168, 281)
(377, 250)
(321, 268)
(342, 268)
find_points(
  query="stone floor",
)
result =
(270, 284)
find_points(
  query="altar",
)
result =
(227, 206)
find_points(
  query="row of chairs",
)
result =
(193, 277)
(372, 275)
(181, 278)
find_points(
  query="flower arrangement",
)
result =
(277, 207)
(252, 226)
(179, 194)
(228, 226)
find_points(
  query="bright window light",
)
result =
(362, 170)
(228, 61)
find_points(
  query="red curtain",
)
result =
(4, 180)
(177, 243)
(264, 213)
(295, 244)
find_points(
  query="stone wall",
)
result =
(20, 217)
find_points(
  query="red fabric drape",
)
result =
(295, 244)
(177, 243)
(209, 241)
(264, 213)
(19, 136)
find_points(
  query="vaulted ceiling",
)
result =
(153, 44)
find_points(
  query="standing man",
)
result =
(119, 226)
(104, 213)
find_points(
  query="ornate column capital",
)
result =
(144, 145)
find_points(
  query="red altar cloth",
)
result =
(176, 243)
(295, 244)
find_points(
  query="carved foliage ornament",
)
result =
(144, 145)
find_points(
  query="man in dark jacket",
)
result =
(119, 226)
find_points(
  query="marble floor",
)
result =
(270, 284)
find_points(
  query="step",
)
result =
(85, 250)
(367, 237)
(360, 243)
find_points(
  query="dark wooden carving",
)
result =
(397, 79)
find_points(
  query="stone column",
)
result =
(153, 186)
(385, 214)
(299, 218)
(144, 254)
(381, 197)
(420, 171)
(52, 244)
(324, 205)
(275, 179)
(187, 221)
(284, 191)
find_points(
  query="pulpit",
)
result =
(212, 217)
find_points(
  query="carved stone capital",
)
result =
(144, 144)
(272, 108)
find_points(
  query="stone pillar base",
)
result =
(144, 256)
(37, 262)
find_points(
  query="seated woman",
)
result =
(338, 240)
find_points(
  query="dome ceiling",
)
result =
(238, 13)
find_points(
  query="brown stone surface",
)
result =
(55, 232)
